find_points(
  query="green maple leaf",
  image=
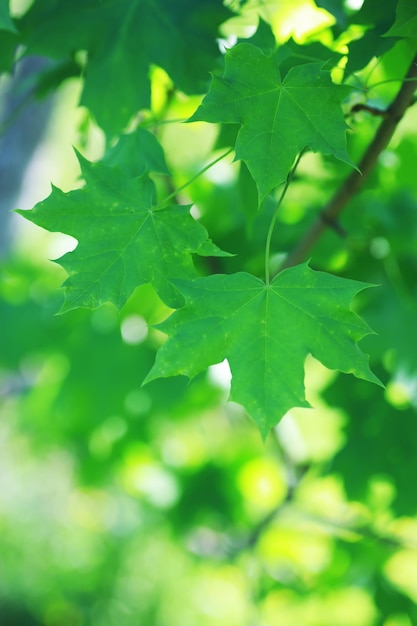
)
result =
(124, 39)
(278, 117)
(265, 332)
(123, 240)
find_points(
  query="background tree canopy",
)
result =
(199, 436)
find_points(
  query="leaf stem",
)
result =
(152, 122)
(390, 80)
(193, 178)
(275, 215)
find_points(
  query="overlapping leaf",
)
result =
(376, 17)
(123, 241)
(136, 153)
(290, 53)
(336, 8)
(278, 117)
(405, 24)
(265, 332)
(124, 38)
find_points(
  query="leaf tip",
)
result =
(195, 117)
(264, 433)
(150, 376)
(83, 162)
(372, 378)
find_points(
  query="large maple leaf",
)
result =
(124, 39)
(123, 240)
(265, 332)
(279, 117)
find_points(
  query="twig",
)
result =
(364, 531)
(338, 528)
(191, 180)
(294, 477)
(353, 183)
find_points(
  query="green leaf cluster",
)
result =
(284, 103)
(245, 171)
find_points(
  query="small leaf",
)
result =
(265, 332)
(262, 38)
(291, 54)
(123, 240)
(278, 117)
(136, 153)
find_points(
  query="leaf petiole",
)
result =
(191, 180)
(275, 215)
(390, 80)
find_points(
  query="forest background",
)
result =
(234, 199)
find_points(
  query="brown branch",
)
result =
(372, 110)
(354, 182)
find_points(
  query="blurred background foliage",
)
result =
(160, 505)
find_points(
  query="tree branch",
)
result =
(354, 182)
